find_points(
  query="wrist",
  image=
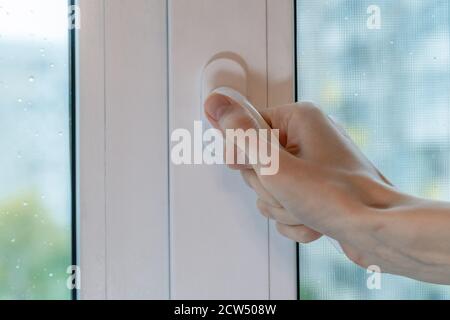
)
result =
(376, 225)
(370, 213)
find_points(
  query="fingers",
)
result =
(299, 234)
(278, 214)
(288, 225)
(224, 113)
(252, 180)
(239, 161)
(248, 139)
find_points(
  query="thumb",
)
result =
(243, 133)
(224, 113)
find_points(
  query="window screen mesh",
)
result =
(390, 88)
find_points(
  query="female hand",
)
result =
(325, 185)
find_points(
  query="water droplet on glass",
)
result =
(13, 240)
(60, 133)
(31, 79)
(19, 155)
(50, 275)
(17, 267)
(25, 204)
(391, 42)
(52, 65)
(20, 100)
(356, 94)
(435, 58)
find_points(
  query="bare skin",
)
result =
(326, 186)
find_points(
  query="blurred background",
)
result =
(35, 195)
(390, 88)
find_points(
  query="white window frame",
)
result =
(143, 231)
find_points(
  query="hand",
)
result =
(325, 185)
(324, 182)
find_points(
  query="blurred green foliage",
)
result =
(34, 251)
(307, 292)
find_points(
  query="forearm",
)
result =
(410, 239)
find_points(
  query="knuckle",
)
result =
(233, 166)
(264, 208)
(239, 120)
(281, 228)
(305, 235)
(309, 111)
(358, 259)
(248, 178)
(300, 234)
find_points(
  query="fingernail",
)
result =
(216, 106)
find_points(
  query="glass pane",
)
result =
(389, 86)
(35, 192)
